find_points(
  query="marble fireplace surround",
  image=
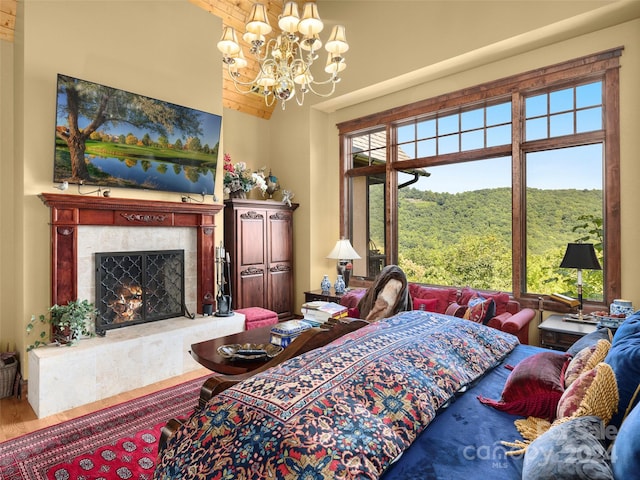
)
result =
(61, 378)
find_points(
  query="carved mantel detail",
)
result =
(139, 217)
(70, 211)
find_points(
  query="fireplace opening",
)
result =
(138, 287)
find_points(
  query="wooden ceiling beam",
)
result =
(8, 19)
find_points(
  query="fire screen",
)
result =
(138, 287)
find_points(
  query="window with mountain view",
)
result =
(487, 186)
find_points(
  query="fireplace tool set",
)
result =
(223, 280)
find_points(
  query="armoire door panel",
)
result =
(280, 238)
(280, 290)
(252, 238)
(251, 291)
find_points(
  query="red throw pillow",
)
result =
(427, 304)
(534, 387)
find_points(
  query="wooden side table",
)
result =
(319, 295)
(559, 334)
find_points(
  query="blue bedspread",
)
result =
(463, 441)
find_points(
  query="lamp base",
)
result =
(344, 271)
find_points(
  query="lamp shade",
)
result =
(343, 251)
(580, 255)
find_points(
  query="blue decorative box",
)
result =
(283, 333)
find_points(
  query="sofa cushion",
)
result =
(501, 299)
(625, 455)
(445, 296)
(624, 358)
(426, 304)
(534, 387)
(570, 450)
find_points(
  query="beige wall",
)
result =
(608, 27)
(162, 49)
(166, 49)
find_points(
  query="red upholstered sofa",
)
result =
(508, 317)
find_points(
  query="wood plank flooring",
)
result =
(18, 418)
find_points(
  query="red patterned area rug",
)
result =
(119, 442)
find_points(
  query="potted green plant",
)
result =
(69, 323)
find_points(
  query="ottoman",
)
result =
(256, 317)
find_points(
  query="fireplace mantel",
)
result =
(70, 211)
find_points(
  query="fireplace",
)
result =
(70, 212)
(138, 287)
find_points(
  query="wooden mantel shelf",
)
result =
(70, 211)
(85, 204)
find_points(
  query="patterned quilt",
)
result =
(347, 410)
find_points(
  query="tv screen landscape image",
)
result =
(114, 138)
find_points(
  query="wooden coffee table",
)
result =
(206, 353)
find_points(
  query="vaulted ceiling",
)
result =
(232, 13)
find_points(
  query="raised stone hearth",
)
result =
(61, 378)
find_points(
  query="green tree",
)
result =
(103, 105)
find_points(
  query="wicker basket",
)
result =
(8, 376)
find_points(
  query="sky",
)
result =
(576, 167)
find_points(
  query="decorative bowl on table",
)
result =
(249, 351)
(609, 320)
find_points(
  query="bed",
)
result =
(396, 399)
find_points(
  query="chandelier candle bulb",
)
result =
(258, 22)
(310, 22)
(288, 21)
(228, 44)
(337, 43)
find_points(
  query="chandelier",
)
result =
(285, 63)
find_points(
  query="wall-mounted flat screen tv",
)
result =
(114, 138)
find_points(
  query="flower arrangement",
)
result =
(238, 179)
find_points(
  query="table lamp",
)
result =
(345, 254)
(580, 256)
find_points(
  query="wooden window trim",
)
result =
(603, 65)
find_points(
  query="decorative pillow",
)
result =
(594, 392)
(569, 450)
(534, 387)
(353, 312)
(500, 298)
(455, 310)
(480, 310)
(427, 304)
(625, 455)
(585, 360)
(590, 339)
(624, 358)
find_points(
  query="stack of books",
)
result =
(319, 312)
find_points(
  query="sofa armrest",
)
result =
(517, 324)
(513, 323)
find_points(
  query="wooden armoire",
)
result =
(258, 235)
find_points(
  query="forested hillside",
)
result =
(465, 238)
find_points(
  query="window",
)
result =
(487, 186)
